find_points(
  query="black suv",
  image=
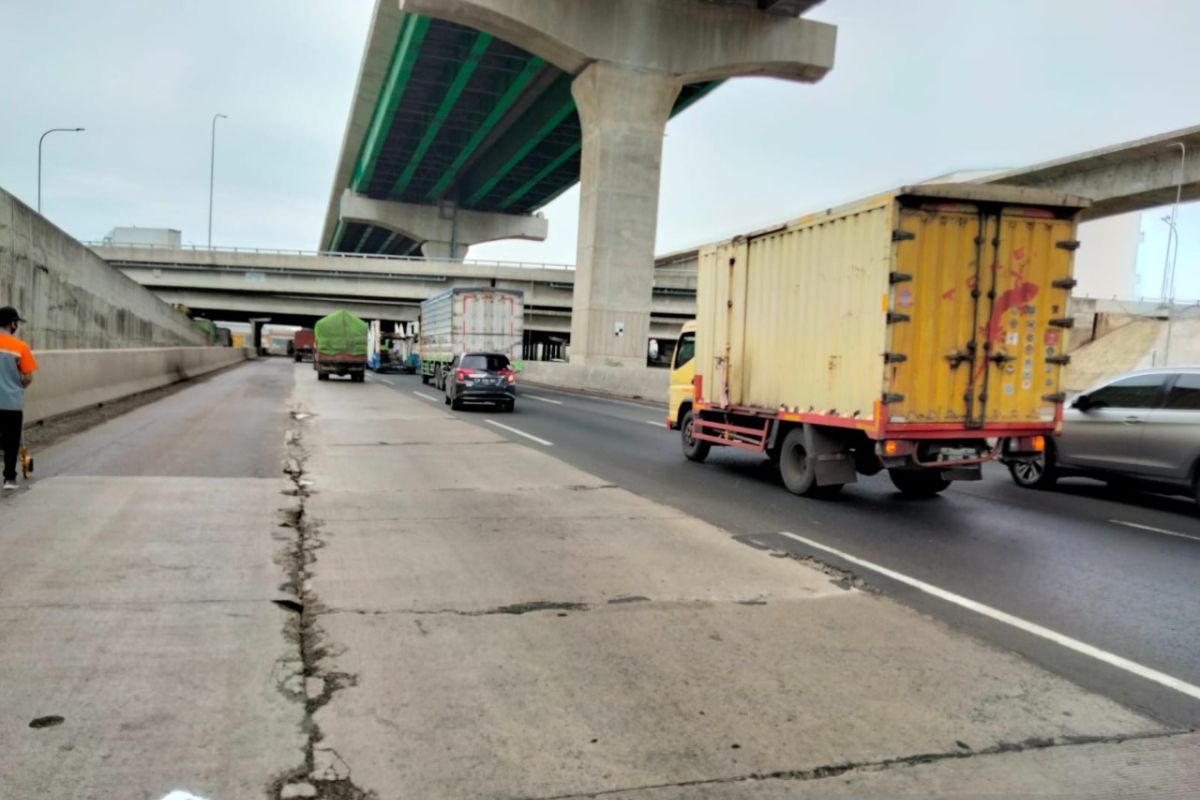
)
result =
(481, 378)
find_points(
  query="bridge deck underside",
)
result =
(467, 118)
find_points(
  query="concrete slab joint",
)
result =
(445, 230)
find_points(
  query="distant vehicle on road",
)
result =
(303, 343)
(388, 351)
(482, 378)
(1142, 429)
(905, 332)
(469, 320)
(341, 346)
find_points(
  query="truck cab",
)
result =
(683, 371)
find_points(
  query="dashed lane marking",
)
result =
(529, 436)
(543, 399)
(424, 396)
(1154, 530)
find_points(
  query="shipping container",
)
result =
(902, 332)
(302, 345)
(466, 320)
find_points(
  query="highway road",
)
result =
(1111, 571)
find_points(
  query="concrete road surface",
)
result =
(266, 586)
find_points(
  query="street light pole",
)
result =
(1173, 236)
(212, 164)
(41, 139)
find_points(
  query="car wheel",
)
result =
(918, 482)
(510, 406)
(424, 379)
(1038, 473)
(455, 404)
(693, 449)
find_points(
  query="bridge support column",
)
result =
(445, 230)
(623, 111)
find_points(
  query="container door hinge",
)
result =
(894, 358)
(1060, 360)
(1057, 397)
(1001, 358)
(895, 316)
(1063, 322)
(891, 397)
(1064, 283)
(957, 358)
(903, 236)
(898, 277)
(1068, 244)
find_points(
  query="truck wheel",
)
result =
(322, 376)
(796, 468)
(918, 482)
(693, 449)
(1040, 473)
(424, 379)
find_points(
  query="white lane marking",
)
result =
(1154, 530)
(388, 381)
(1008, 619)
(655, 423)
(519, 433)
(598, 398)
(424, 396)
(543, 399)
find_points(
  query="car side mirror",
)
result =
(1083, 402)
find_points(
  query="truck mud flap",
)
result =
(831, 458)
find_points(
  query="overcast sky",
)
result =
(920, 88)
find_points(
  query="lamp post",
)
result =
(1168, 284)
(40, 140)
(212, 163)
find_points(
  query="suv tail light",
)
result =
(509, 375)
(461, 375)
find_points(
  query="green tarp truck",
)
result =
(341, 346)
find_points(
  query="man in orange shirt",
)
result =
(16, 372)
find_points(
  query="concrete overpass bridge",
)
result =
(298, 287)
(471, 114)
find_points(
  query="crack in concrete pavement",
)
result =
(834, 770)
(518, 609)
(325, 775)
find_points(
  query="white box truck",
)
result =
(470, 320)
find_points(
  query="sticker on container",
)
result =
(1031, 310)
(1010, 369)
(1008, 388)
(1012, 337)
(1051, 338)
(1012, 323)
(1049, 383)
(904, 299)
(1029, 338)
(1049, 351)
(1027, 385)
(1028, 350)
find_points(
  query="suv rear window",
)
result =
(491, 363)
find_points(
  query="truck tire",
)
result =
(693, 450)
(796, 469)
(1040, 473)
(322, 376)
(918, 482)
(424, 379)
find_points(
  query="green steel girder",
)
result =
(525, 188)
(408, 49)
(463, 75)
(502, 106)
(548, 113)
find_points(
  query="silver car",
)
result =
(1140, 429)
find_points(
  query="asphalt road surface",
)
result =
(1119, 572)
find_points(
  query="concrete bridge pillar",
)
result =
(623, 111)
(445, 231)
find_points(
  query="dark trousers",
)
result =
(10, 441)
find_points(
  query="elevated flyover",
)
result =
(298, 287)
(469, 115)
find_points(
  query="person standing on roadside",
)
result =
(16, 373)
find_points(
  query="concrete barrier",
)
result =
(641, 383)
(71, 380)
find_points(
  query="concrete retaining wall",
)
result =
(72, 298)
(71, 380)
(641, 383)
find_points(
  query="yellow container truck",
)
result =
(922, 331)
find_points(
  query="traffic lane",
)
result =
(230, 424)
(1025, 552)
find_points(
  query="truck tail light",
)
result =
(895, 447)
(460, 375)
